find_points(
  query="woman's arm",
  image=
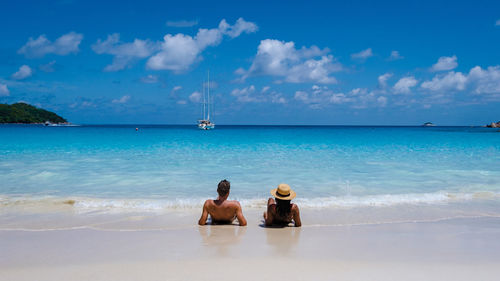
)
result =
(296, 215)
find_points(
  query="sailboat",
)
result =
(205, 123)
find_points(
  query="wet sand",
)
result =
(449, 249)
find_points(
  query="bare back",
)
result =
(222, 212)
(272, 217)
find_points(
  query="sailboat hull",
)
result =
(206, 126)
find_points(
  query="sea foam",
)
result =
(88, 204)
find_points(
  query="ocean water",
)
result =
(158, 168)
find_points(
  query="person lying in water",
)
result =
(281, 212)
(221, 210)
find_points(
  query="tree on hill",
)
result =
(25, 113)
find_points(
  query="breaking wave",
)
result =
(87, 204)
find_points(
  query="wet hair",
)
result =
(223, 187)
(283, 208)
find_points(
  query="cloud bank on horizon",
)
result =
(291, 75)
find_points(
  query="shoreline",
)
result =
(63, 215)
(460, 249)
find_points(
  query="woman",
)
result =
(282, 212)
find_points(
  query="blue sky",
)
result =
(271, 62)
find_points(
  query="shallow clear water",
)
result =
(179, 166)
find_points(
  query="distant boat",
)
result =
(428, 124)
(204, 123)
(50, 124)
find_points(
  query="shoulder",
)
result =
(235, 204)
(208, 202)
(295, 208)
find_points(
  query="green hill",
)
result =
(25, 113)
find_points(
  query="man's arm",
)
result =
(204, 214)
(296, 215)
(239, 215)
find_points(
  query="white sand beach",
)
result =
(449, 249)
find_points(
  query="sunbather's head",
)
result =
(223, 188)
(283, 192)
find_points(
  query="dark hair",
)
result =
(223, 187)
(283, 208)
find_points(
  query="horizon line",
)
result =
(254, 125)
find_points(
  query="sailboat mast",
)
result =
(204, 102)
(208, 114)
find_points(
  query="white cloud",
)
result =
(88, 104)
(485, 81)
(362, 98)
(239, 27)
(182, 23)
(195, 97)
(273, 57)
(23, 73)
(176, 88)
(301, 96)
(382, 101)
(48, 67)
(395, 56)
(497, 23)
(282, 59)
(240, 71)
(404, 85)
(478, 81)
(277, 98)
(363, 54)
(312, 71)
(245, 91)
(150, 79)
(442, 83)
(178, 52)
(358, 91)
(181, 102)
(124, 53)
(39, 47)
(445, 63)
(123, 99)
(250, 94)
(320, 96)
(207, 37)
(4, 91)
(246, 94)
(340, 98)
(382, 79)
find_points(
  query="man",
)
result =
(221, 210)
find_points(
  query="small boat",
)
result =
(205, 123)
(428, 124)
(50, 124)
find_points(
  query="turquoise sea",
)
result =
(165, 167)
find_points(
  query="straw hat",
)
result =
(283, 192)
